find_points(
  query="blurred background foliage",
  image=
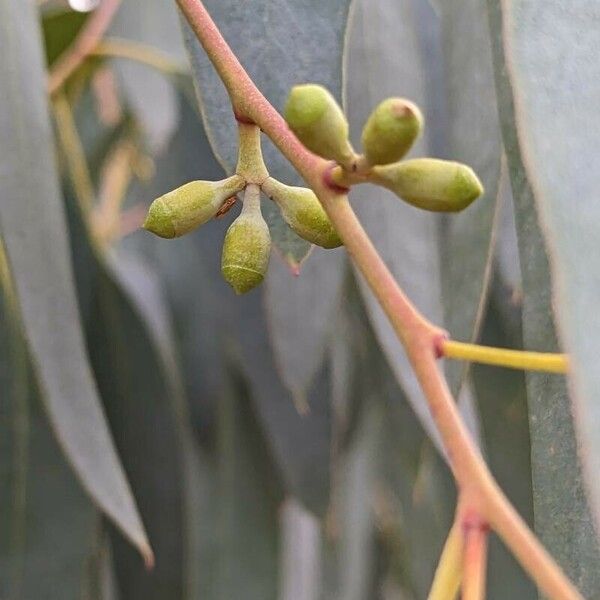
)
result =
(276, 444)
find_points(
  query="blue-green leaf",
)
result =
(280, 43)
(33, 226)
(562, 516)
(40, 498)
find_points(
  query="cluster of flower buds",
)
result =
(247, 244)
(315, 117)
(390, 131)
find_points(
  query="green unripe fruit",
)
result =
(316, 118)
(391, 130)
(189, 206)
(303, 212)
(247, 246)
(431, 184)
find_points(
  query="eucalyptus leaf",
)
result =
(300, 553)
(300, 312)
(561, 513)
(212, 322)
(128, 336)
(502, 401)
(281, 43)
(473, 137)
(140, 406)
(33, 226)
(149, 93)
(406, 238)
(248, 496)
(556, 88)
(40, 498)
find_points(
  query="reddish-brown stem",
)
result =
(475, 542)
(87, 39)
(420, 337)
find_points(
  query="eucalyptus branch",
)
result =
(420, 338)
(475, 541)
(85, 42)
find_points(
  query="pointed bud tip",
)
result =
(468, 187)
(160, 220)
(241, 279)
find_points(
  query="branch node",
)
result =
(243, 119)
(330, 183)
(438, 345)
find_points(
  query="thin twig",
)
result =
(475, 542)
(74, 153)
(85, 42)
(419, 336)
(448, 574)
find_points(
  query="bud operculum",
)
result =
(391, 130)
(247, 246)
(316, 118)
(184, 209)
(431, 184)
(303, 212)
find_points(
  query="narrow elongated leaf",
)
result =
(561, 513)
(40, 498)
(210, 320)
(407, 238)
(126, 331)
(300, 312)
(32, 222)
(502, 402)
(300, 553)
(405, 514)
(473, 137)
(556, 88)
(248, 496)
(139, 404)
(280, 43)
(149, 93)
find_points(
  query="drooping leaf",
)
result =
(126, 328)
(301, 558)
(248, 497)
(280, 43)
(502, 402)
(33, 226)
(407, 238)
(403, 519)
(561, 514)
(210, 319)
(556, 88)
(473, 137)
(300, 312)
(140, 407)
(149, 93)
(40, 498)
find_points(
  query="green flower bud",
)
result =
(431, 184)
(391, 130)
(303, 212)
(247, 246)
(315, 117)
(189, 206)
